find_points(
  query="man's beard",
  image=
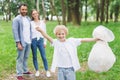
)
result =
(23, 13)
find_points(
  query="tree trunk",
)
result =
(98, 10)
(107, 8)
(111, 15)
(75, 12)
(116, 11)
(102, 11)
(9, 12)
(63, 12)
(54, 10)
(69, 18)
(44, 10)
(37, 5)
(85, 10)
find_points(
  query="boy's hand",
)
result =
(97, 39)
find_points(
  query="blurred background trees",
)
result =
(64, 11)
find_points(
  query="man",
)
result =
(22, 35)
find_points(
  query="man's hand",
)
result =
(44, 45)
(19, 46)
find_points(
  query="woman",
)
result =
(38, 41)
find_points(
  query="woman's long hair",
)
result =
(32, 12)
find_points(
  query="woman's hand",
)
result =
(38, 29)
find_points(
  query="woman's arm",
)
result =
(88, 39)
(44, 34)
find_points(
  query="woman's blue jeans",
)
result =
(38, 44)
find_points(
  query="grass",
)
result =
(8, 50)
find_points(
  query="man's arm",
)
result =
(15, 30)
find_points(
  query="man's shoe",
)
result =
(20, 78)
(27, 73)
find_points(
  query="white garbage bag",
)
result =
(103, 33)
(101, 57)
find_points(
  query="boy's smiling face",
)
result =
(61, 35)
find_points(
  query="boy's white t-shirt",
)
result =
(65, 53)
(64, 58)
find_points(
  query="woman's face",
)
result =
(61, 35)
(35, 15)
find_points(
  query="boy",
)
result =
(65, 52)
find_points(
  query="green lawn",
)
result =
(8, 50)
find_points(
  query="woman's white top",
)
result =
(65, 54)
(35, 33)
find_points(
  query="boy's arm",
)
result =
(44, 34)
(88, 39)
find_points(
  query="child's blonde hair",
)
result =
(60, 27)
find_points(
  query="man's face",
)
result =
(23, 10)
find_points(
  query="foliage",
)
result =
(92, 5)
(8, 50)
(15, 5)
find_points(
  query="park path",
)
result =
(43, 76)
(32, 77)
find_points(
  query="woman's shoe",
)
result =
(48, 74)
(37, 73)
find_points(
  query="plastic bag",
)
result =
(101, 57)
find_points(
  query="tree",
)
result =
(102, 17)
(98, 10)
(44, 10)
(86, 3)
(69, 12)
(72, 10)
(74, 5)
(116, 10)
(107, 10)
(37, 5)
(7, 10)
(54, 10)
(63, 12)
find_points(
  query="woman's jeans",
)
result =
(38, 43)
(21, 65)
(66, 73)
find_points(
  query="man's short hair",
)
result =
(22, 4)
